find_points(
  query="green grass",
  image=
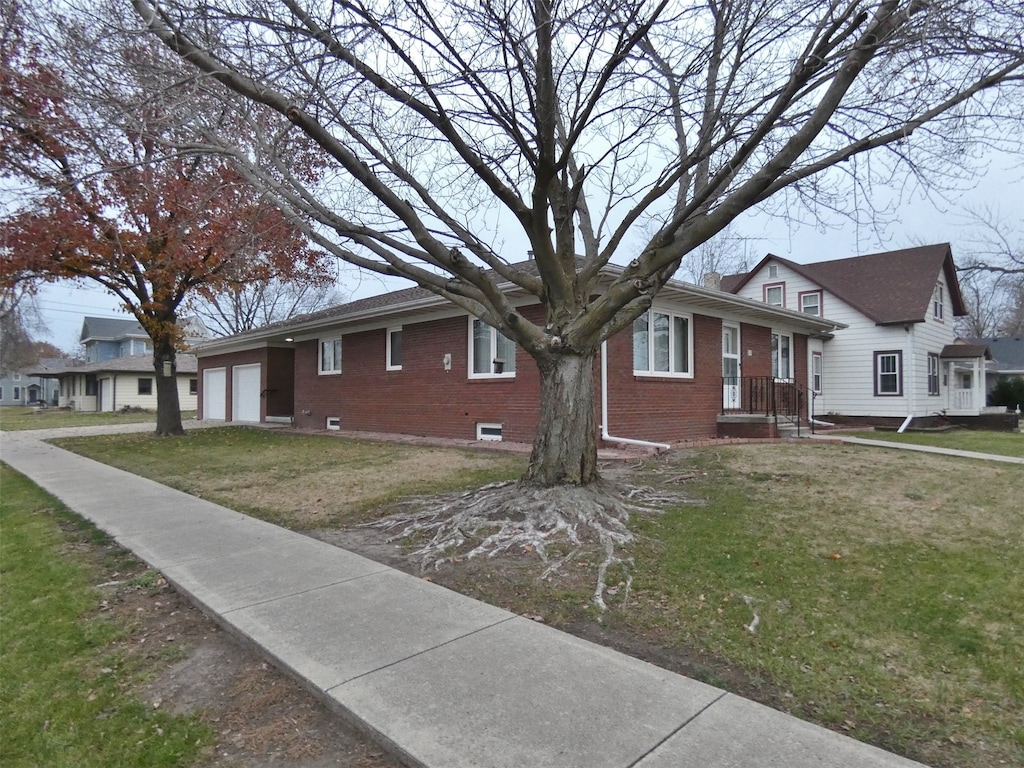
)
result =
(302, 481)
(897, 622)
(14, 419)
(888, 583)
(1002, 443)
(66, 696)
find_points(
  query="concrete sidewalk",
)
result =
(840, 438)
(437, 678)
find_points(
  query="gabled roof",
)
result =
(111, 329)
(890, 288)
(962, 351)
(1008, 352)
(127, 364)
(416, 299)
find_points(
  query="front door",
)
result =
(730, 367)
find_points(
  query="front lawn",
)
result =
(14, 418)
(1003, 443)
(871, 591)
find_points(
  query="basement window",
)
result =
(334, 423)
(490, 432)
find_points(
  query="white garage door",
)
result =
(215, 394)
(245, 392)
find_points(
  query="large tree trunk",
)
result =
(168, 408)
(565, 449)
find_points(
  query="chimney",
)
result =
(712, 280)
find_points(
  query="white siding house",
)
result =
(121, 382)
(896, 357)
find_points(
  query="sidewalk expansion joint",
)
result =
(419, 653)
(682, 725)
(317, 588)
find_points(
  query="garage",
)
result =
(215, 394)
(245, 393)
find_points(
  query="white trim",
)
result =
(336, 370)
(387, 348)
(495, 432)
(493, 354)
(820, 373)
(649, 371)
(782, 375)
(333, 423)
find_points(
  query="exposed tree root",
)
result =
(517, 517)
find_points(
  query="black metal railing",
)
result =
(782, 399)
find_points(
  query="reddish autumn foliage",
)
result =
(108, 198)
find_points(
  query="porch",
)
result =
(963, 379)
(763, 406)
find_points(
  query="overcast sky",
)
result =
(919, 221)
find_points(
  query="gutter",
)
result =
(604, 411)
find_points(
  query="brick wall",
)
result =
(422, 398)
(425, 399)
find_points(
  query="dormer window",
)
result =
(937, 302)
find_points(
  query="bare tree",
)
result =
(727, 253)
(241, 305)
(992, 275)
(583, 123)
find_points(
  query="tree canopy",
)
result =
(110, 192)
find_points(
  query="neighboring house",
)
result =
(896, 357)
(105, 338)
(411, 362)
(24, 388)
(118, 371)
(120, 382)
(1007, 359)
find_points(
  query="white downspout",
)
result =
(911, 395)
(604, 410)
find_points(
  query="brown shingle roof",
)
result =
(890, 288)
(965, 350)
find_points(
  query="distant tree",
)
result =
(992, 275)
(18, 316)
(727, 253)
(86, 125)
(241, 305)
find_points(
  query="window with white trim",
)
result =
(773, 270)
(491, 353)
(330, 357)
(663, 344)
(889, 373)
(16, 377)
(937, 302)
(491, 432)
(17, 393)
(775, 295)
(816, 372)
(782, 355)
(933, 374)
(810, 303)
(394, 349)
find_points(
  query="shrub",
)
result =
(1008, 392)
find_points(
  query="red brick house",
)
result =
(410, 362)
